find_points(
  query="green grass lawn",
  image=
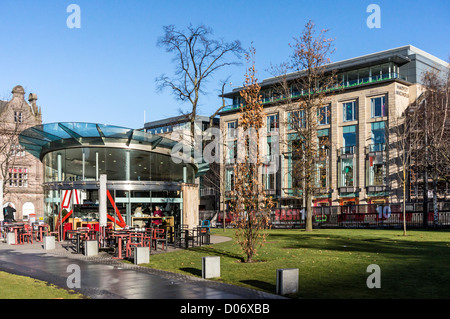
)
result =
(332, 263)
(20, 287)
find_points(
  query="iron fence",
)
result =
(355, 216)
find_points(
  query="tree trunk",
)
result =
(404, 203)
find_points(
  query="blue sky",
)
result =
(105, 71)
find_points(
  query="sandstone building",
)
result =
(372, 91)
(21, 173)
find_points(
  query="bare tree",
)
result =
(196, 56)
(250, 206)
(403, 139)
(303, 85)
(437, 128)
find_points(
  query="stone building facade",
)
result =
(21, 173)
(372, 91)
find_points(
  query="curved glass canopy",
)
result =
(44, 138)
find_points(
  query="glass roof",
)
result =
(36, 138)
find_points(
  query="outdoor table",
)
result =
(78, 234)
(41, 230)
(120, 236)
(16, 228)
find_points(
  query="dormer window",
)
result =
(18, 117)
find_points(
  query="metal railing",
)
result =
(339, 86)
(364, 216)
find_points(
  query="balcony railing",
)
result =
(339, 86)
(208, 191)
(347, 150)
(380, 147)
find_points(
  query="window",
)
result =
(272, 123)
(347, 172)
(324, 115)
(378, 137)
(18, 177)
(296, 120)
(232, 129)
(17, 150)
(18, 117)
(376, 170)
(323, 142)
(322, 173)
(232, 152)
(349, 111)
(236, 101)
(229, 180)
(349, 139)
(378, 107)
(268, 180)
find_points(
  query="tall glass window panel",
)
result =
(324, 115)
(268, 180)
(232, 129)
(378, 136)
(323, 137)
(349, 111)
(378, 107)
(347, 172)
(349, 139)
(376, 170)
(321, 174)
(229, 179)
(296, 120)
(272, 123)
(231, 151)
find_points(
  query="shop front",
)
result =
(143, 177)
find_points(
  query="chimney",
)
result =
(32, 98)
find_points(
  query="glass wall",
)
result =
(86, 164)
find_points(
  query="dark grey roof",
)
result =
(400, 56)
(176, 120)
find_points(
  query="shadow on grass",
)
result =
(193, 271)
(260, 285)
(369, 243)
(208, 250)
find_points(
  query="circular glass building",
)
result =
(143, 173)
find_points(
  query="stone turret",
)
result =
(32, 98)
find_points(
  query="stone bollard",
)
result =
(90, 248)
(287, 281)
(141, 255)
(210, 267)
(10, 239)
(49, 242)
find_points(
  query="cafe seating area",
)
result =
(120, 243)
(24, 233)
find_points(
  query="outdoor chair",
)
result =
(179, 235)
(190, 236)
(147, 240)
(26, 233)
(134, 240)
(203, 234)
(160, 236)
(67, 226)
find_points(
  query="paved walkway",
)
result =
(102, 277)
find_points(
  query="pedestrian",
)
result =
(8, 213)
